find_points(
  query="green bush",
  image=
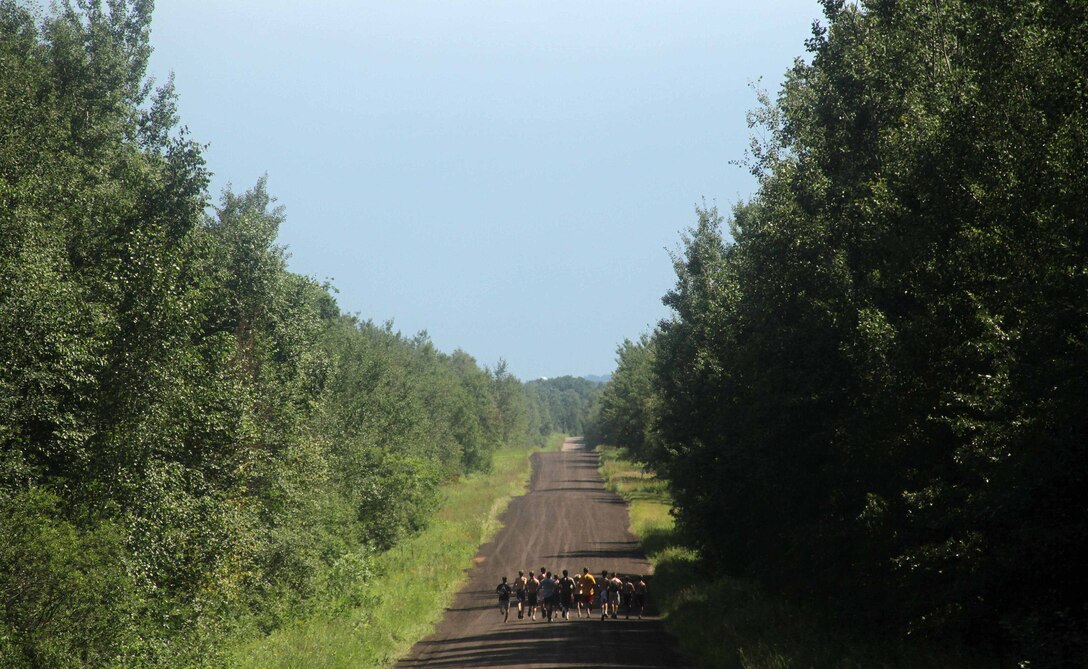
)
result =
(68, 598)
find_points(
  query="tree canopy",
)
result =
(194, 442)
(872, 390)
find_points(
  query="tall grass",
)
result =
(731, 623)
(412, 583)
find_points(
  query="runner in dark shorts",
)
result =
(627, 591)
(640, 596)
(519, 593)
(504, 590)
(531, 588)
(566, 593)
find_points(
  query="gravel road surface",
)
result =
(566, 521)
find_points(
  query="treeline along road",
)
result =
(197, 446)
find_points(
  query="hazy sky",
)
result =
(507, 175)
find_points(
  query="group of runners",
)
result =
(557, 595)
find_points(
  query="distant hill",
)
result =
(597, 379)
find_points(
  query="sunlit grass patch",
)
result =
(649, 504)
(413, 584)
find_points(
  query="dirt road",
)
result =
(566, 521)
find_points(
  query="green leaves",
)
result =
(626, 409)
(562, 404)
(65, 588)
(192, 439)
(876, 389)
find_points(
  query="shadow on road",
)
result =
(607, 550)
(558, 644)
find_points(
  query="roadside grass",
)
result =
(401, 605)
(730, 623)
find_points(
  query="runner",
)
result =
(614, 587)
(567, 587)
(577, 593)
(531, 589)
(603, 594)
(556, 598)
(627, 594)
(504, 598)
(519, 593)
(589, 586)
(640, 596)
(543, 572)
(547, 596)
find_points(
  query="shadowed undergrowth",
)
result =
(731, 623)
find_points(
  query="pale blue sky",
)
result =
(505, 175)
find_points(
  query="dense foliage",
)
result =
(625, 408)
(877, 392)
(566, 402)
(194, 442)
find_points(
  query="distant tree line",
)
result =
(876, 392)
(194, 442)
(567, 400)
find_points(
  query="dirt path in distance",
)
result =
(566, 521)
